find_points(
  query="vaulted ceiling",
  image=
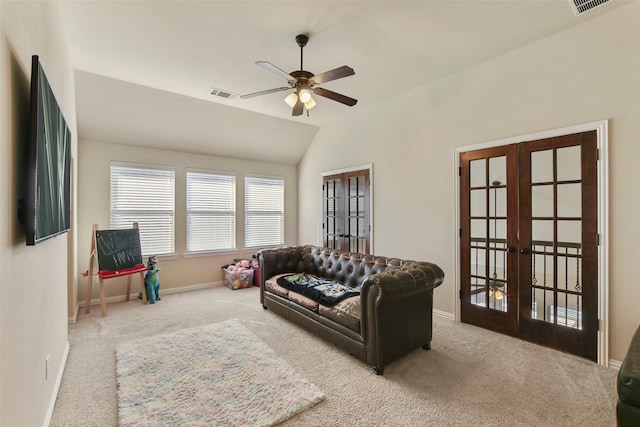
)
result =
(144, 69)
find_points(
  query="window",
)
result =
(264, 211)
(144, 194)
(211, 211)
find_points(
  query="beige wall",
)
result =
(585, 74)
(93, 195)
(33, 280)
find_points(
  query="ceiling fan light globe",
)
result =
(310, 104)
(291, 99)
(305, 96)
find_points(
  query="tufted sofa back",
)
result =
(346, 267)
(349, 268)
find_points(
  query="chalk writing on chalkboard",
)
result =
(118, 249)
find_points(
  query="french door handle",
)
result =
(511, 249)
(525, 251)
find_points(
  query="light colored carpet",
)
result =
(217, 374)
(470, 377)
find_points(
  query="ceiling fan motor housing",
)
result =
(302, 77)
(302, 40)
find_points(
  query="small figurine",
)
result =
(152, 281)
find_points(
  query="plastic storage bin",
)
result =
(238, 279)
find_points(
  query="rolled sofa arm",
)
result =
(434, 274)
(396, 312)
(403, 283)
(285, 259)
(395, 285)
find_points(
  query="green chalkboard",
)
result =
(118, 249)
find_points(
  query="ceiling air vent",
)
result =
(581, 6)
(223, 93)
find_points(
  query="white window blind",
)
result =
(264, 211)
(145, 194)
(211, 211)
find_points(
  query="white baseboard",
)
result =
(615, 364)
(117, 298)
(444, 314)
(56, 388)
(192, 287)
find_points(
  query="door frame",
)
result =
(601, 128)
(319, 220)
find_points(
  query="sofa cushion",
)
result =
(272, 286)
(346, 313)
(303, 301)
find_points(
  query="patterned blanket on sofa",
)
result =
(323, 291)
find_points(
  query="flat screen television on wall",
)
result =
(47, 201)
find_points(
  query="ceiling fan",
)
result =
(305, 82)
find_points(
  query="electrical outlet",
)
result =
(46, 368)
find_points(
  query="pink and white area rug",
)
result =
(215, 375)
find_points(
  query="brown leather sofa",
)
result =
(628, 408)
(391, 316)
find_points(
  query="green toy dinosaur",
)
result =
(152, 281)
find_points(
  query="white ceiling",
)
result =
(147, 66)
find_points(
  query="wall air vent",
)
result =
(223, 93)
(581, 6)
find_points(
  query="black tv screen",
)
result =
(48, 180)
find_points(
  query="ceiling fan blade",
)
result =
(335, 96)
(298, 108)
(336, 73)
(275, 70)
(264, 92)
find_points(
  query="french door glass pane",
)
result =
(356, 185)
(568, 159)
(498, 201)
(478, 202)
(478, 232)
(498, 170)
(357, 227)
(479, 291)
(542, 201)
(331, 206)
(570, 200)
(478, 173)
(498, 233)
(335, 213)
(478, 262)
(542, 166)
(356, 245)
(569, 232)
(541, 230)
(569, 271)
(356, 206)
(334, 195)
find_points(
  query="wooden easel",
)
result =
(106, 274)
